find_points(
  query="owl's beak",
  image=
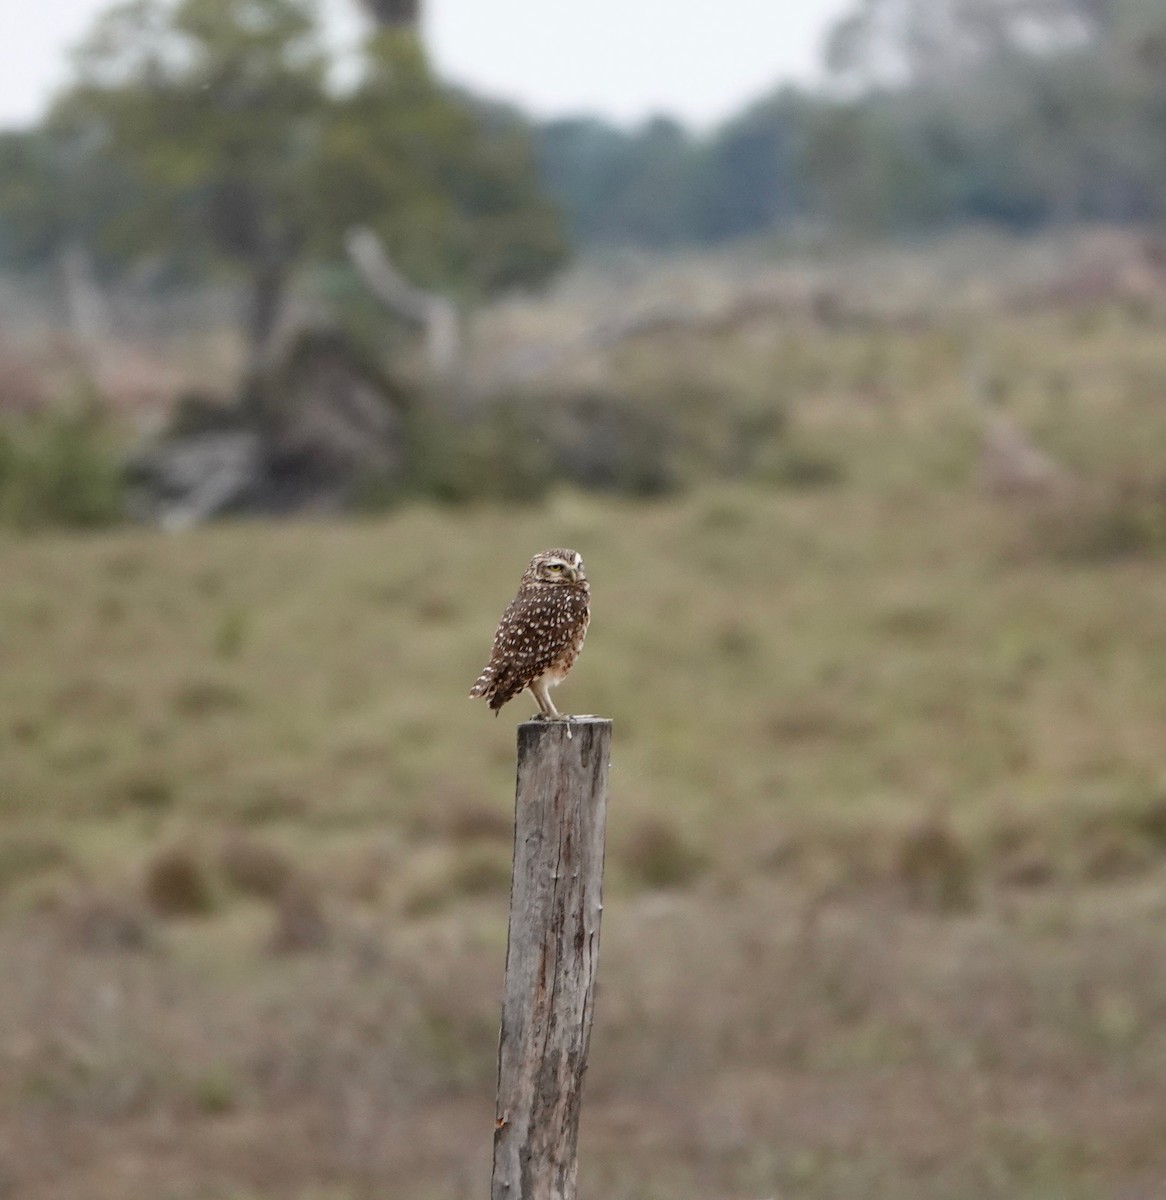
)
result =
(573, 574)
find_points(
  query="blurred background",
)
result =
(832, 339)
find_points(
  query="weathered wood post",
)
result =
(556, 894)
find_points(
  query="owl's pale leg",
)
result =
(542, 693)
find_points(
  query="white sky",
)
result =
(624, 59)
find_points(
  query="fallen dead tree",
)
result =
(304, 439)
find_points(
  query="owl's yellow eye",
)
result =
(554, 566)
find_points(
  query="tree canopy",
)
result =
(1016, 113)
(209, 135)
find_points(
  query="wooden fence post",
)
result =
(556, 894)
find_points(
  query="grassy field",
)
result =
(887, 836)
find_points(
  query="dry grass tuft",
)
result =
(363, 876)
(1020, 858)
(1120, 518)
(206, 697)
(477, 823)
(253, 867)
(1114, 853)
(481, 870)
(148, 790)
(658, 856)
(25, 856)
(104, 922)
(301, 923)
(455, 815)
(935, 867)
(215, 1091)
(1149, 818)
(177, 883)
(262, 804)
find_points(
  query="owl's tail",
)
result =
(485, 683)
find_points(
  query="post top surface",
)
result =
(563, 723)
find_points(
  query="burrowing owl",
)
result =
(541, 632)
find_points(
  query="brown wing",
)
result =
(537, 627)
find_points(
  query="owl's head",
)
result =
(556, 566)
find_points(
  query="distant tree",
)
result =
(659, 185)
(1013, 111)
(390, 13)
(55, 192)
(655, 204)
(240, 154)
(751, 171)
(1017, 113)
(448, 183)
(216, 108)
(30, 224)
(935, 41)
(585, 164)
(58, 197)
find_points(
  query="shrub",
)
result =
(607, 442)
(488, 456)
(515, 447)
(60, 467)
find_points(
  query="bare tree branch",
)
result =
(435, 315)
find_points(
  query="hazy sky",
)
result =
(699, 61)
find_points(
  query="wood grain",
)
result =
(552, 953)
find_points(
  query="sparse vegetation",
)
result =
(657, 856)
(1121, 518)
(936, 868)
(60, 467)
(253, 867)
(877, 537)
(94, 921)
(481, 870)
(887, 836)
(301, 924)
(24, 854)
